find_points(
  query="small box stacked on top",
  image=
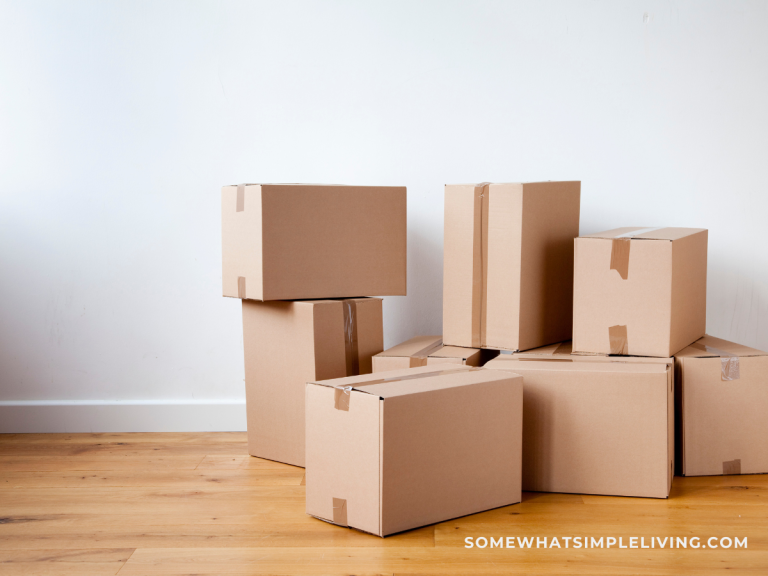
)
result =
(306, 261)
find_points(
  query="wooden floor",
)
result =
(198, 504)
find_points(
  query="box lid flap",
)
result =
(647, 233)
(711, 347)
(415, 380)
(514, 365)
(418, 345)
(454, 352)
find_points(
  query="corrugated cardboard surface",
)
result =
(286, 345)
(450, 441)
(508, 263)
(723, 425)
(661, 305)
(295, 241)
(596, 427)
(456, 355)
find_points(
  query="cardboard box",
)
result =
(563, 352)
(722, 401)
(288, 344)
(508, 264)
(596, 427)
(402, 449)
(298, 241)
(428, 351)
(640, 291)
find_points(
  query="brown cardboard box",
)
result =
(288, 344)
(428, 351)
(298, 241)
(639, 291)
(722, 401)
(596, 427)
(508, 264)
(402, 449)
(563, 352)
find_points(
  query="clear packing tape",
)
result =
(420, 358)
(729, 363)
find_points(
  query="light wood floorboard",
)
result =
(179, 504)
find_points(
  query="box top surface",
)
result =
(711, 347)
(511, 364)
(415, 345)
(478, 184)
(454, 352)
(298, 185)
(646, 233)
(562, 352)
(417, 380)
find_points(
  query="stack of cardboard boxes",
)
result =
(442, 426)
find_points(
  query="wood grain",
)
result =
(148, 504)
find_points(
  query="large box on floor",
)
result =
(641, 292)
(288, 344)
(508, 264)
(428, 351)
(402, 449)
(596, 427)
(293, 242)
(722, 401)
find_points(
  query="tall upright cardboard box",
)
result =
(640, 291)
(397, 450)
(601, 427)
(722, 402)
(297, 241)
(288, 344)
(508, 264)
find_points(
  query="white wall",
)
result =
(120, 121)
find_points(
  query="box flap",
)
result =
(647, 233)
(511, 364)
(454, 352)
(416, 346)
(413, 380)
(711, 347)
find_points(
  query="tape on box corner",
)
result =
(729, 363)
(241, 287)
(731, 467)
(617, 337)
(620, 246)
(340, 512)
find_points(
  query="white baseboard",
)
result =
(131, 416)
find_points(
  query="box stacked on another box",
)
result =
(306, 261)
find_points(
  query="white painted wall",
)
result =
(120, 121)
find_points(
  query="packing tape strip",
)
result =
(340, 512)
(480, 264)
(620, 250)
(729, 363)
(343, 394)
(241, 287)
(426, 351)
(351, 353)
(240, 198)
(617, 337)
(732, 467)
